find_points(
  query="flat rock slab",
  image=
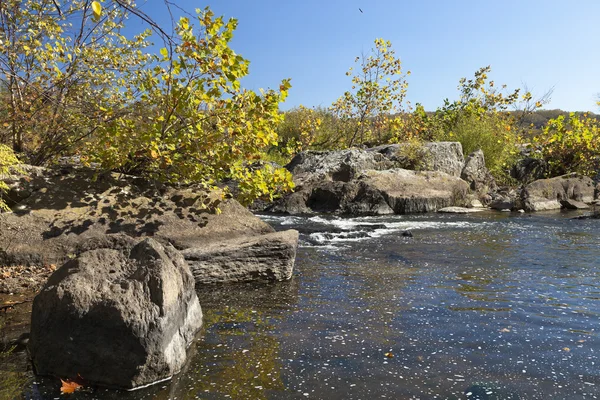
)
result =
(62, 211)
(265, 257)
(460, 210)
(573, 205)
(121, 315)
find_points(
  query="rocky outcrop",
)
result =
(374, 182)
(547, 194)
(476, 174)
(570, 204)
(407, 191)
(266, 257)
(67, 207)
(121, 315)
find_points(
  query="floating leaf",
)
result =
(69, 387)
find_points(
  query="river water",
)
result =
(481, 306)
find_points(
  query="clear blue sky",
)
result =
(542, 44)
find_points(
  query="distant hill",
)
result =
(540, 118)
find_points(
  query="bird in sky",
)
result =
(360, 10)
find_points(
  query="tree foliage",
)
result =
(59, 71)
(378, 90)
(75, 83)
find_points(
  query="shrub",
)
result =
(414, 156)
(7, 160)
(571, 144)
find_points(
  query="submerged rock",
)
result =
(121, 315)
(459, 210)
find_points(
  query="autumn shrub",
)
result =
(489, 133)
(413, 155)
(7, 160)
(571, 144)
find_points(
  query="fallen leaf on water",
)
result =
(504, 330)
(581, 341)
(69, 386)
(389, 355)
(566, 349)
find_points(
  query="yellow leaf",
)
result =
(69, 387)
(97, 9)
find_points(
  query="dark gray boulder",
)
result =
(504, 202)
(266, 257)
(529, 169)
(547, 194)
(120, 316)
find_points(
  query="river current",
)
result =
(480, 306)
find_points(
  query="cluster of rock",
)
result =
(381, 180)
(122, 308)
(376, 181)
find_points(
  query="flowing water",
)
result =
(482, 306)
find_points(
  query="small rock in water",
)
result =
(407, 234)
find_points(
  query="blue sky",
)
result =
(541, 44)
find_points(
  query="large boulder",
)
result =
(445, 157)
(408, 191)
(266, 257)
(437, 156)
(476, 174)
(121, 315)
(374, 192)
(547, 194)
(342, 165)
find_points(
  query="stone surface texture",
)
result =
(120, 315)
